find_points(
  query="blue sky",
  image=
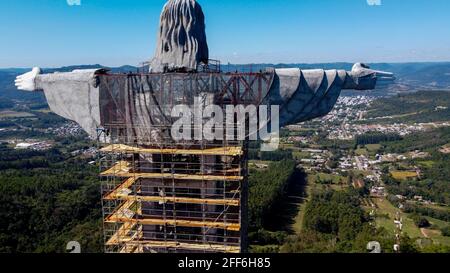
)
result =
(50, 33)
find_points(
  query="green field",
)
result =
(426, 163)
(401, 175)
(362, 151)
(373, 148)
(297, 225)
(336, 179)
(368, 150)
(435, 233)
(14, 114)
(385, 207)
(437, 207)
(45, 111)
(300, 155)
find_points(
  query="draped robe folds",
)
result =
(142, 106)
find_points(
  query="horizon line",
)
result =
(243, 64)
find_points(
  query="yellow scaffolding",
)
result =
(181, 223)
(122, 169)
(172, 199)
(222, 151)
(117, 194)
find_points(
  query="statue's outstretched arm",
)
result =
(72, 95)
(307, 94)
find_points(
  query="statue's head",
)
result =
(181, 44)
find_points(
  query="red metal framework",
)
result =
(228, 88)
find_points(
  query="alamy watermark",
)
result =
(73, 247)
(232, 123)
(73, 2)
(374, 2)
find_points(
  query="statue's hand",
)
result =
(27, 81)
(368, 79)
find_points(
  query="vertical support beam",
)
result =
(244, 201)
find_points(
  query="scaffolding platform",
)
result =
(168, 176)
(122, 235)
(122, 169)
(188, 199)
(179, 200)
(119, 193)
(224, 151)
(175, 223)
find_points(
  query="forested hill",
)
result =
(424, 106)
(47, 199)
